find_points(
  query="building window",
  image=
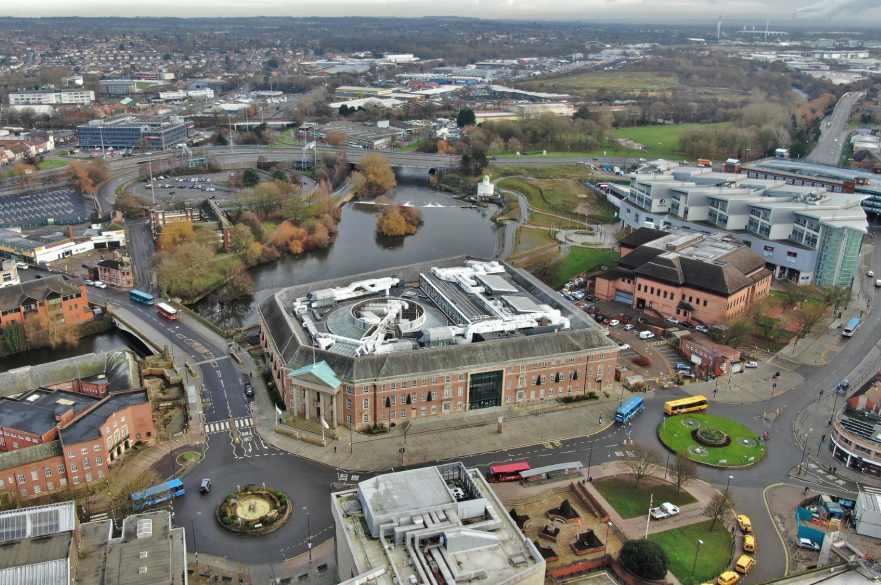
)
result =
(366, 403)
(99, 460)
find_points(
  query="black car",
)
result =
(249, 389)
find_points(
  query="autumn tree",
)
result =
(397, 220)
(175, 234)
(374, 177)
(80, 177)
(336, 138)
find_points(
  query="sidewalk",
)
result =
(205, 569)
(438, 438)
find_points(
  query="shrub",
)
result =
(644, 559)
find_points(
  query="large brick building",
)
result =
(687, 276)
(54, 299)
(56, 440)
(429, 340)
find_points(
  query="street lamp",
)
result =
(309, 531)
(589, 459)
(804, 450)
(606, 541)
(727, 485)
(694, 562)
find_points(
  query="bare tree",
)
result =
(716, 508)
(641, 462)
(683, 471)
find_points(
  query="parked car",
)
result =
(646, 335)
(744, 523)
(614, 323)
(878, 283)
(871, 274)
(88, 282)
(808, 544)
(205, 486)
(728, 578)
(665, 510)
(842, 386)
(99, 284)
(249, 389)
(751, 364)
(629, 326)
(744, 564)
(672, 321)
(749, 543)
(22, 265)
(623, 346)
(682, 366)
(701, 329)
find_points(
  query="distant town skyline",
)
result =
(858, 13)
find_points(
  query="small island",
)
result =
(398, 221)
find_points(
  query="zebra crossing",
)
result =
(221, 426)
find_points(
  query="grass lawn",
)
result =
(51, 163)
(580, 260)
(630, 501)
(660, 141)
(680, 544)
(286, 138)
(528, 239)
(590, 82)
(580, 172)
(745, 448)
(542, 219)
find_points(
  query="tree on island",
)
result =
(397, 220)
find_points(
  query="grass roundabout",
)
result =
(712, 440)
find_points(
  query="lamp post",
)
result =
(606, 541)
(727, 485)
(589, 459)
(804, 450)
(309, 531)
(694, 562)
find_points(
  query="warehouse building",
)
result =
(432, 339)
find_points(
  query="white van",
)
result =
(878, 283)
(646, 335)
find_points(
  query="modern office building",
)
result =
(133, 132)
(856, 432)
(117, 87)
(686, 276)
(431, 339)
(805, 234)
(77, 97)
(431, 525)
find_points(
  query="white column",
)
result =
(322, 403)
(308, 398)
(333, 408)
(295, 398)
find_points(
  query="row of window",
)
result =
(665, 294)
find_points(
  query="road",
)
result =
(834, 130)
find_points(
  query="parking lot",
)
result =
(62, 206)
(191, 188)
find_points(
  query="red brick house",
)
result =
(54, 299)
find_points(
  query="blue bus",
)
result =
(629, 409)
(140, 296)
(163, 492)
(851, 327)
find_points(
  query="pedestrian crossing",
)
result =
(221, 426)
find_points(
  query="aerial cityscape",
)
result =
(507, 293)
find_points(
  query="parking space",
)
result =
(62, 206)
(185, 188)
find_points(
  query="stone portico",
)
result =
(314, 390)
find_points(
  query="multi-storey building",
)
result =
(54, 300)
(133, 132)
(116, 272)
(79, 97)
(429, 340)
(430, 525)
(8, 273)
(686, 276)
(80, 441)
(805, 234)
(856, 432)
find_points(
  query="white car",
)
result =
(88, 282)
(871, 274)
(672, 321)
(623, 346)
(701, 329)
(665, 510)
(752, 364)
(614, 323)
(646, 335)
(629, 327)
(22, 265)
(99, 284)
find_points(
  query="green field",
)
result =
(660, 141)
(676, 433)
(584, 83)
(580, 260)
(51, 163)
(680, 544)
(630, 501)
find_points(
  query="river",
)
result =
(109, 341)
(449, 229)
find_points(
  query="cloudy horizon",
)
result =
(860, 13)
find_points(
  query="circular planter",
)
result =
(712, 440)
(710, 437)
(254, 510)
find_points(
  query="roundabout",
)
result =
(712, 440)
(254, 510)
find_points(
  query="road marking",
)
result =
(223, 425)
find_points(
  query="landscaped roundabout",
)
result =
(254, 510)
(712, 440)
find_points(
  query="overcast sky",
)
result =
(781, 12)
